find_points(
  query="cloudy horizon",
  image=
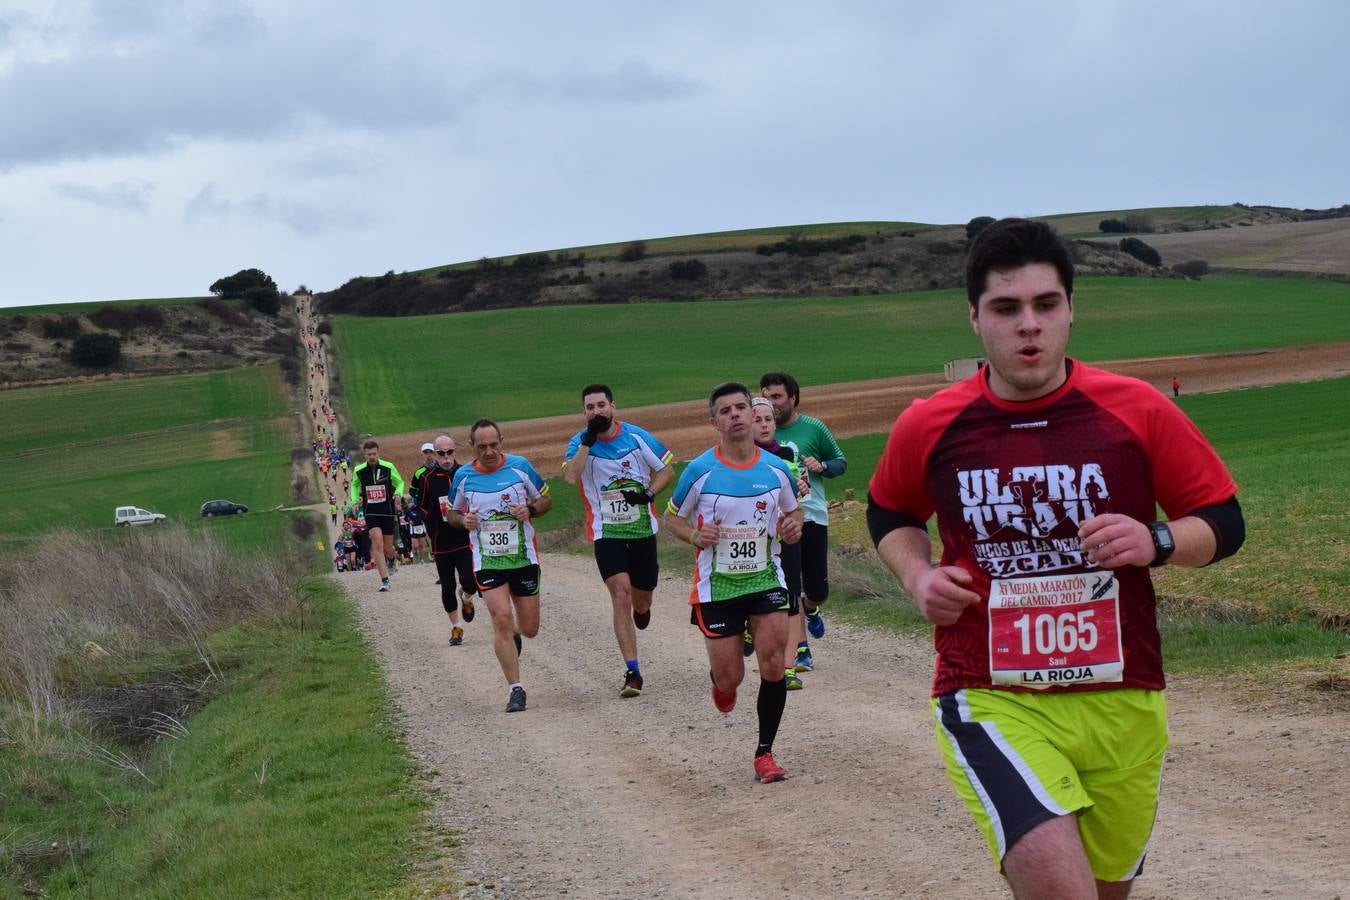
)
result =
(149, 149)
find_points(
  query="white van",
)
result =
(134, 515)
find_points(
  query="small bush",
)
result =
(61, 327)
(96, 351)
(1141, 251)
(530, 261)
(223, 311)
(633, 252)
(17, 346)
(128, 318)
(234, 286)
(1193, 268)
(688, 270)
(324, 328)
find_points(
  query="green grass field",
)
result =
(167, 444)
(719, 241)
(293, 781)
(85, 306)
(401, 374)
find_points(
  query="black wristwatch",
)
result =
(1163, 544)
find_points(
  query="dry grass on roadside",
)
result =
(85, 607)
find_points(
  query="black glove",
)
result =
(595, 427)
(638, 498)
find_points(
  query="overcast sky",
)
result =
(148, 147)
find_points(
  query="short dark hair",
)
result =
(484, 423)
(1010, 243)
(722, 390)
(371, 444)
(597, 389)
(794, 390)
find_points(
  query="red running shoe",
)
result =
(725, 701)
(767, 770)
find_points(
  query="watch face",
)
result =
(1162, 535)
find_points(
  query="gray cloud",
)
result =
(634, 81)
(332, 161)
(120, 196)
(207, 205)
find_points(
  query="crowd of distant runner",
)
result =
(1045, 476)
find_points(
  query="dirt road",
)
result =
(869, 407)
(588, 795)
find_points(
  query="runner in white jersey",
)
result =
(620, 469)
(494, 499)
(735, 503)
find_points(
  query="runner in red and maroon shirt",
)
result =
(1045, 476)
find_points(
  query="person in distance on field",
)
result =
(620, 468)
(1048, 695)
(737, 504)
(495, 499)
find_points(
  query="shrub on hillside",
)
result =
(228, 314)
(1193, 268)
(530, 261)
(128, 318)
(633, 252)
(265, 300)
(1132, 224)
(976, 225)
(61, 327)
(688, 270)
(96, 351)
(1141, 251)
(796, 245)
(324, 328)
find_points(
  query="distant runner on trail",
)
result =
(495, 499)
(449, 545)
(735, 503)
(376, 485)
(1048, 696)
(620, 468)
(818, 458)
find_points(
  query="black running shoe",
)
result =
(516, 637)
(467, 605)
(642, 620)
(632, 684)
(516, 703)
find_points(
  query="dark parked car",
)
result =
(222, 508)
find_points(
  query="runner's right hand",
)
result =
(941, 594)
(470, 520)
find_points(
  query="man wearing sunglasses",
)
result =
(449, 544)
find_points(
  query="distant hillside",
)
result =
(822, 260)
(158, 337)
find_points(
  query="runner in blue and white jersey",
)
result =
(620, 468)
(735, 503)
(494, 499)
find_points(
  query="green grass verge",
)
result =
(167, 444)
(660, 352)
(292, 782)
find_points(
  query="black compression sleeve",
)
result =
(835, 467)
(1226, 521)
(882, 521)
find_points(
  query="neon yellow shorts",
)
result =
(1020, 759)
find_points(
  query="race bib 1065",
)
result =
(1055, 629)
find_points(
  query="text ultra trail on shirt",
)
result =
(1011, 483)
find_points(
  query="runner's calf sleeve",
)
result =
(882, 521)
(1226, 521)
(770, 704)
